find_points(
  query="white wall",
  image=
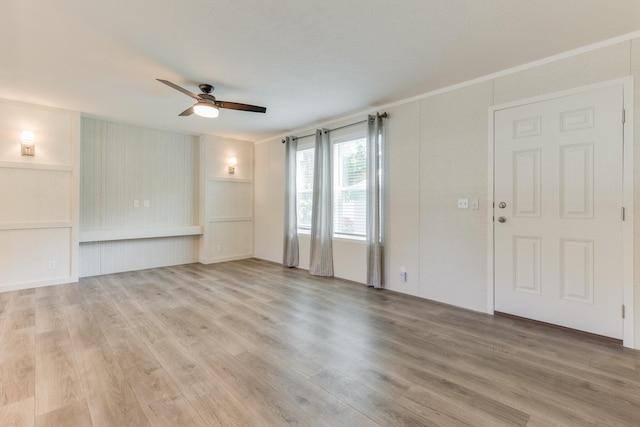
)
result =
(70, 211)
(437, 152)
(196, 210)
(39, 211)
(635, 70)
(453, 165)
(121, 164)
(227, 211)
(349, 255)
(269, 200)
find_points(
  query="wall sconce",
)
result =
(232, 162)
(28, 148)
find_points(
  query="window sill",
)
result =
(350, 239)
(339, 237)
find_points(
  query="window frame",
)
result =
(336, 137)
(343, 138)
(303, 147)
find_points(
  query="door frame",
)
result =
(627, 196)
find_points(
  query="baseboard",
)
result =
(38, 284)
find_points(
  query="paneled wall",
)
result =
(437, 152)
(228, 209)
(38, 197)
(139, 198)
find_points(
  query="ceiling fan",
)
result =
(208, 105)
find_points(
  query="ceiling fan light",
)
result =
(206, 109)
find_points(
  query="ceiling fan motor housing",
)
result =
(205, 88)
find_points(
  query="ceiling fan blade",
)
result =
(187, 112)
(178, 88)
(242, 107)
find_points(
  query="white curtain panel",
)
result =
(290, 256)
(321, 261)
(375, 224)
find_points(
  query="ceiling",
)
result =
(307, 61)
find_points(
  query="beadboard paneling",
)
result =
(90, 264)
(91, 185)
(122, 164)
(129, 255)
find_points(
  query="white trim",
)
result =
(337, 237)
(627, 235)
(490, 213)
(203, 209)
(34, 225)
(564, 55)
(74, 205)
(140, 233)
(231, 219)
(132, 123)
(225, 259)
(235, 180)
(36, 106)
(360, 240)
(38, 283)
(628, 224)
(545, 97)
(36, 166)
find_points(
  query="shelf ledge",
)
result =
(139, 233)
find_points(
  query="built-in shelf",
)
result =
(139, 233)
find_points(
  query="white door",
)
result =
(558, 174)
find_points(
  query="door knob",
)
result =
(502, 219)
(502, 205)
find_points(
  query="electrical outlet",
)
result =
(52, 264)
(147, 204)
(463, 203)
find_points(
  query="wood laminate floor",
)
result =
(250, 343)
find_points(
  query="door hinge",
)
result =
(623, 213)
(623, 311)
(624, 116)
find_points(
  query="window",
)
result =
(304, 187)
(349, 187)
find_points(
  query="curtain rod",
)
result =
(383, 115)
